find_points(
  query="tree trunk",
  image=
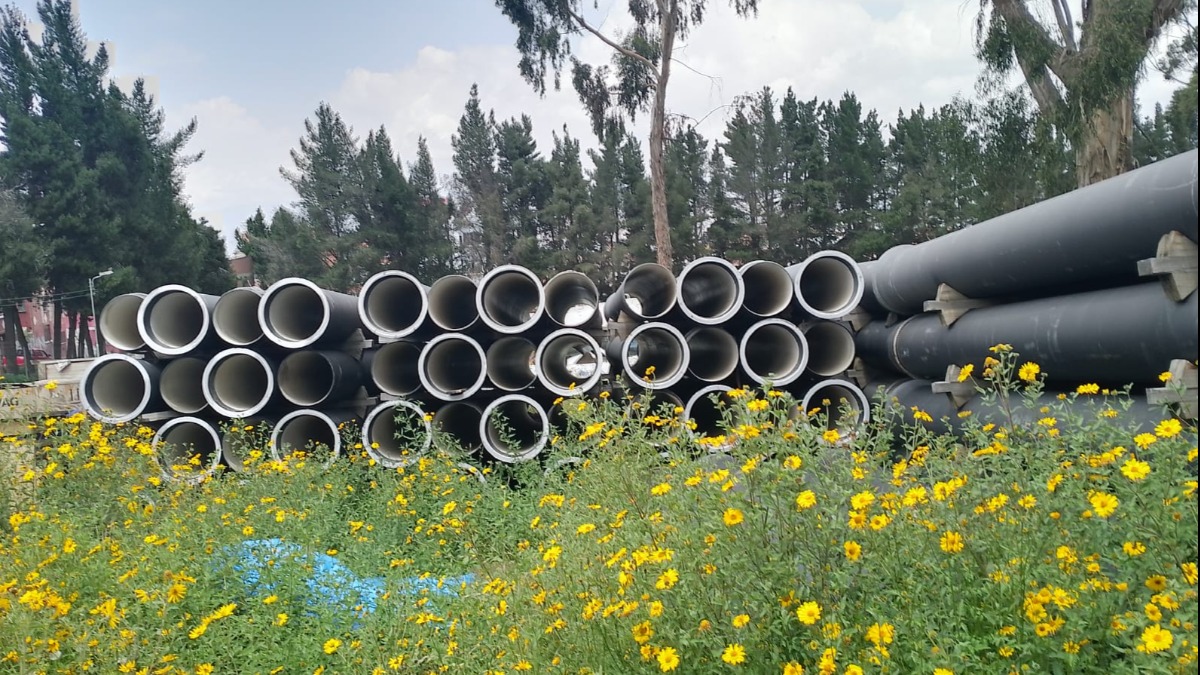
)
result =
(658, 121)
(12, 324)
(1104, 148)
(56, 327)
(72, 323)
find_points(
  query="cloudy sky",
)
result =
(252, 71)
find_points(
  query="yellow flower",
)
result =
(808, 613)
(831, 436)
(805, 500)
(793, 668)
(734, 654)
(642, 632)
(1165, 376)
(1002, 347)
(1103, 503)
(942, 671)
(1155, 639)
(1156, 583)
(668, 659)
(660, 489)
(1088, 389)
(862, 500)
(1135, 469)
(204, 669)
(449, 507)
(1029, 371)
(585, 528)
(1168, 428)
(667, 579)
(1133, 548)
(853, 550)
(281, 619)
(965, 372)
(921, 416)
(332, 645)
(1144, 441)
(792, 462)
(757, 405)
(732, 517)
(51, 385)
(951, 542)
(741, 620)
(1189, 572)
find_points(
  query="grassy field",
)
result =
(1066, 547)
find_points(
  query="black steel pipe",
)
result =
(647, 293)
(1093, 234)
(569, 362)
(710, 290)
(827, 285)
(714, 353)
(460, 421)
(174, 320)
(295, 313)
(240, 383)
(514, 428)
(182, 385)
(118, 388)
(235, 318)
(396, 433)
(511, 363)
(452, 367)
(510, 299)
(395, 368)
(843, 404)
(654, 345)
(1114, 336)
(572, 300)
(706, 414)
(119, 322)
(180, 440)
(237, 444)
(769, 288)
(452, 302)
(308, 431)
(318, 377)
(775, 351)
(393, 304)
(830, 347)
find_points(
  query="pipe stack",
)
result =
(480, 360)
(1094, 286)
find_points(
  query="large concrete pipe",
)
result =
(319, 377)
(648, 292)
(459, 421)
(569, 362)
(240, 383)
(843, 404)
(572, 300)
(827, 285)
(182, 385)
(395, 433)
(119, 322)
(510, 299)
(714, 353)
(654, 345)
(452, 367)
(395, 368)
(710, 290)
(310, 431)
(235, 318)
(707, 415)
(452, 302)
(1114, 336)
(393, 304)
(775, 351)
(237, 444)
(1095, 234)
(174, 320)
(296, 313)
(514, 428)
(180, 440)
(510, 363)
(769, 288)
(830, 347)
(118, 388)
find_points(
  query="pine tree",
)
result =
(432, 213)
(475, 166)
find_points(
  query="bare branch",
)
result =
(1062, 13)
(1063, 63)
(608, 41)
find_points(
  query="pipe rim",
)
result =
(856, 281)
(222, 308)
(565, 278)
(264, 312)
(775, 272)
(168, 371)
(739, 293)
(864, 405)
(801, 362)
(438, 392)
(700, 397)
(504, 455)
(117, 309)
(145, 318)
(581, 387)
(657, 383)
(482, 290)
(387, 459)
(511, 347)
(364, 299)
(216, 404)
(214, 456)
(650, 270)
(87, 382)
(450, 284)
(282, 424)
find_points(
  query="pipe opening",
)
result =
(306, 378)
(395, 368)
(235, 317)
(119, 322)
(514, 429)
(707, 414)
(117, 389)
(452, 302)
(829, 285)
(843, 405)
(569, 362)
(174, 320)
(649, 291)
(186, 449)
(510, 299)
(452, 367)
(510, 363)
(393, 304)
(182, 385)
(768, 287)
(714, 353)
(238, 442)
(238, 383)
(830, 348)
(395, 433)
(309, 432)
(295, 313)
(655, 356)
(710, 289)
(571, 299)
(774, 350)
(460, 421)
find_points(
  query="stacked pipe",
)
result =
(481, 360)
(1094, 286)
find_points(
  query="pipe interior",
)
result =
(239, 383)
(310, 433)
(569, 359)
(663, 403)
(714, 353)
(182, 385)
(118, 386)
(649, 291)
(828, 285)
(707, 414)
(830, 348)
(510, 363)
(176, 319)
(515, 423)
(452, 302)
(182, 442)
(654, 347)
(236, 317)
(768, 288)
(453, 365)
(306, 378)
(832, 399)
(394, 368)
(772, 352)
(118, 323)
(396, 430)
(461, 422)
(295, 313)
(571, 299)
(709, 290)
(511, 298)
(394, 304)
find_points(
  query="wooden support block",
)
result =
(859, 372)
(951, 304)
(1174, 264)
(1179, 391)
(158, 416)
(960, 392)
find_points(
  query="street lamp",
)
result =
(92, 293)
